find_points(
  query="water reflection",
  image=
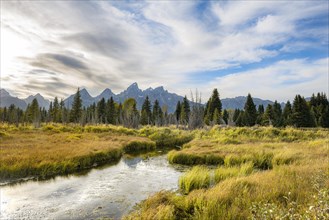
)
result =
(109, 191)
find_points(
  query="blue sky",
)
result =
(271, 49)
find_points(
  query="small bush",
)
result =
(196, 178)
(138, 146)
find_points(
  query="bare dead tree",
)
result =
(197, 111)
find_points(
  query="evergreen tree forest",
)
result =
(188, 114)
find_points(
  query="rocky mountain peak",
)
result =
(4, 93)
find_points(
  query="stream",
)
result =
(110, 191)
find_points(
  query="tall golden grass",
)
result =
(262, 173)
(52, 150)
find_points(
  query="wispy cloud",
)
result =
(101, 44)
(279, 81)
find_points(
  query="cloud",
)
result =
(101, 44)
(280, 81)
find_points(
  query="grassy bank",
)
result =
(261, 173)
(265, 147)
(57, 149)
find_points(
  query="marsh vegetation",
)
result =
(258, 173)
(232, 173)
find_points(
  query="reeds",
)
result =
(197, 178)
(264, 173)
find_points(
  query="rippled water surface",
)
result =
(107, 192)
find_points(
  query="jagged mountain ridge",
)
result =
(7, 100)
(41, 100)
(133, 91)
(164, 97)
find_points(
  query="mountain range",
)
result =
(6, 100)
(164, 97)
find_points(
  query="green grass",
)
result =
(259, 169)
(180, 157)
(262, 173)
(222, 173)
(245, 197)
(166, 137)
(136, 146)
(197, 178)
(55, 149)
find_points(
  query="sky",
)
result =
(270, 49)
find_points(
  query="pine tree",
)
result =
(268, 115)
(178, 111)
(324, 118)
(35, 113)
(216, 117)
(146, 114)
(286, 114)
(4, 114)
(240, 121)
(76, 111)
(56, 110)
(250, 114)
(111, 111)
(120, 114)
(50, 112)
(101, 111)
(63, 112)
(157, 113)
(277, 115)
(301, 115)
(225, 116)
(185, 111)
(319, 104)
(260, 115)
(236, 114)
(213, 104)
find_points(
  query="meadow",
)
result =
(247, 173)
(56, 149)
(235, 173)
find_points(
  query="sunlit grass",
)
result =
(197, 178)
(262, 173)
(46, 152)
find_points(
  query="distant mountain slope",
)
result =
(43, 103)
(106, 94)
(86, 98)
(6, 100)
(164, 97)
(238, 102)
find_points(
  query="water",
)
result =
(108, 192)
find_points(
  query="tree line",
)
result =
(188, 114)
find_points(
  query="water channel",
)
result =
(110, 191)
